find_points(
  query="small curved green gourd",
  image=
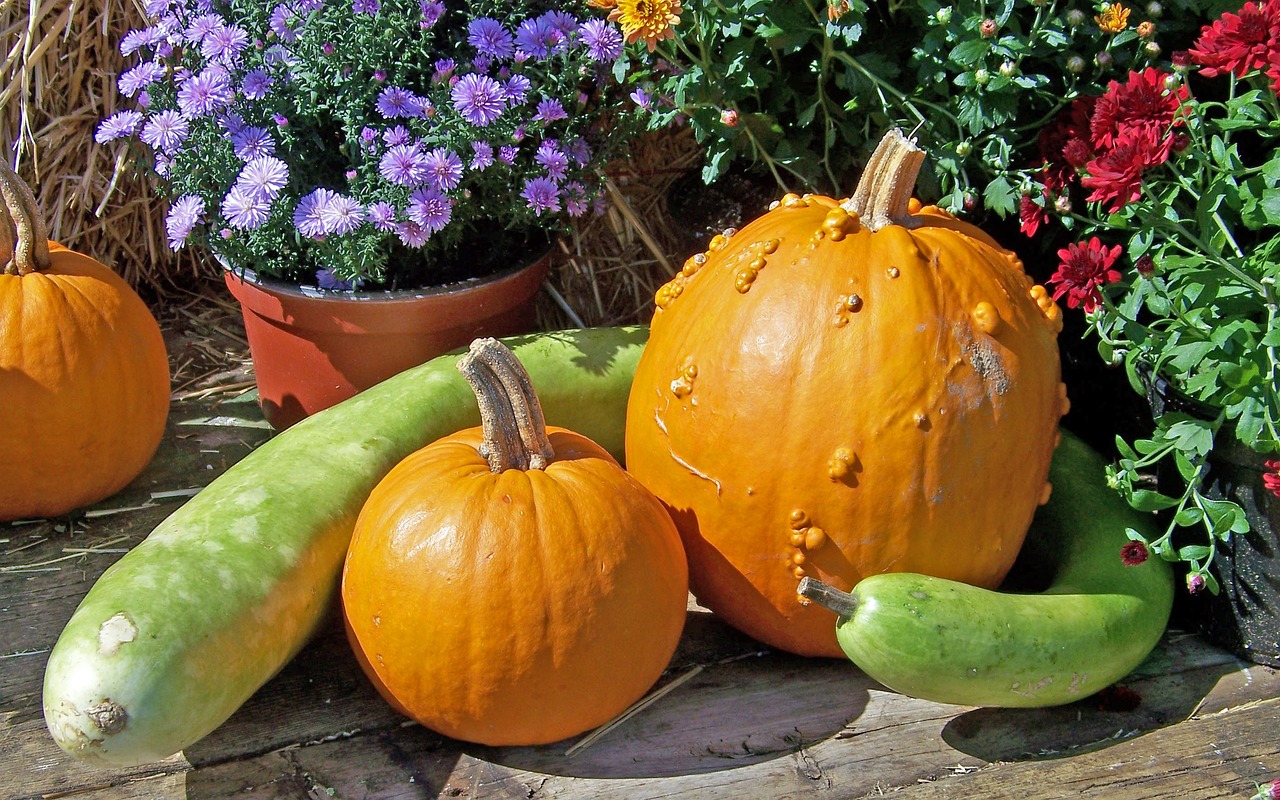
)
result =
(950, 642)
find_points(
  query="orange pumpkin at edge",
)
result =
(841, 389)
(511, 584)
(83, 370)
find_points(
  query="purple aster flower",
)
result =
(244, 210)
(431, 10)
(579, 151)
(143, 100)
(135, 80)
(339, 214)
(163, 165)
(252, 142)
(603, 41)
(306, 215)
(231, 122)
(404, 165)
(182, 219)
(325, 279)
(366, 6)
(283, 23)
(201, 26)
(542, 195)
(412, 234)
(444, 168)
(507, 154)
(482, 155)
(224, 43)
(642, 98)
(395, 102)
(444, 68)
(165, 131)
(479, 98)
(562, 23)
(117, 126)
(156, 8)
(517, 88)
(307, 6)
(383, 215)
(489, 38)
(576, 202)
(396, 135)
(280, 120)
(535, 38)
(255, 84)
(207, 91)
(550, 110)
(263, 177)
(552, 159)
(429, 208)
(481, 63)
(136, 40)
(519, 133)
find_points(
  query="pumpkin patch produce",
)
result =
(843, 388)
(84, 375)
(511, 584)
(179, 632)
(954, 643)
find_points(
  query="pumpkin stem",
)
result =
(843, 603)
(515, 430)
(884, 190)
(24, 244)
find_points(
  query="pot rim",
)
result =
(290, 289)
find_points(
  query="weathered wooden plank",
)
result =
(1214, 756)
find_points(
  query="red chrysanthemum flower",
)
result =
(1068, 133)
(1133, 553)
(1140, 102)
(1085, 268)
(1271, 478)
(1115, 177)
(1239, 42)
(1031, 215)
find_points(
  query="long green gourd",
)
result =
(953, 643)
(184, 628)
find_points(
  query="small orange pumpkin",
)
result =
(84, 377)
(511, 584)
(844, 388)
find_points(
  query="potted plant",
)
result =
(381, 150)
(1170, 183)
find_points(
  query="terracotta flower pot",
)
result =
(314, 349)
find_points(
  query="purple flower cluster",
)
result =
(491, 118)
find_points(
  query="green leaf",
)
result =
(1225, 516)
(1000, 196)
(969, 52)
(1148, 500)
(1188, 516)
(1193, 552)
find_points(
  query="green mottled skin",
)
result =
(231, 585)
(953, 643)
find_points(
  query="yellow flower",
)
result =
(1113, 19)
(648, 20)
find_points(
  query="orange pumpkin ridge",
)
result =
(511, 584)
(843, 388)
(83, 370)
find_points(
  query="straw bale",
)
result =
(60, 63)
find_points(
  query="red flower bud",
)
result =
(1133, 553)
(988, 28)
(1146, 266)
(1195, 583)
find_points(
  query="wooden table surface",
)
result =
(744, 723)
